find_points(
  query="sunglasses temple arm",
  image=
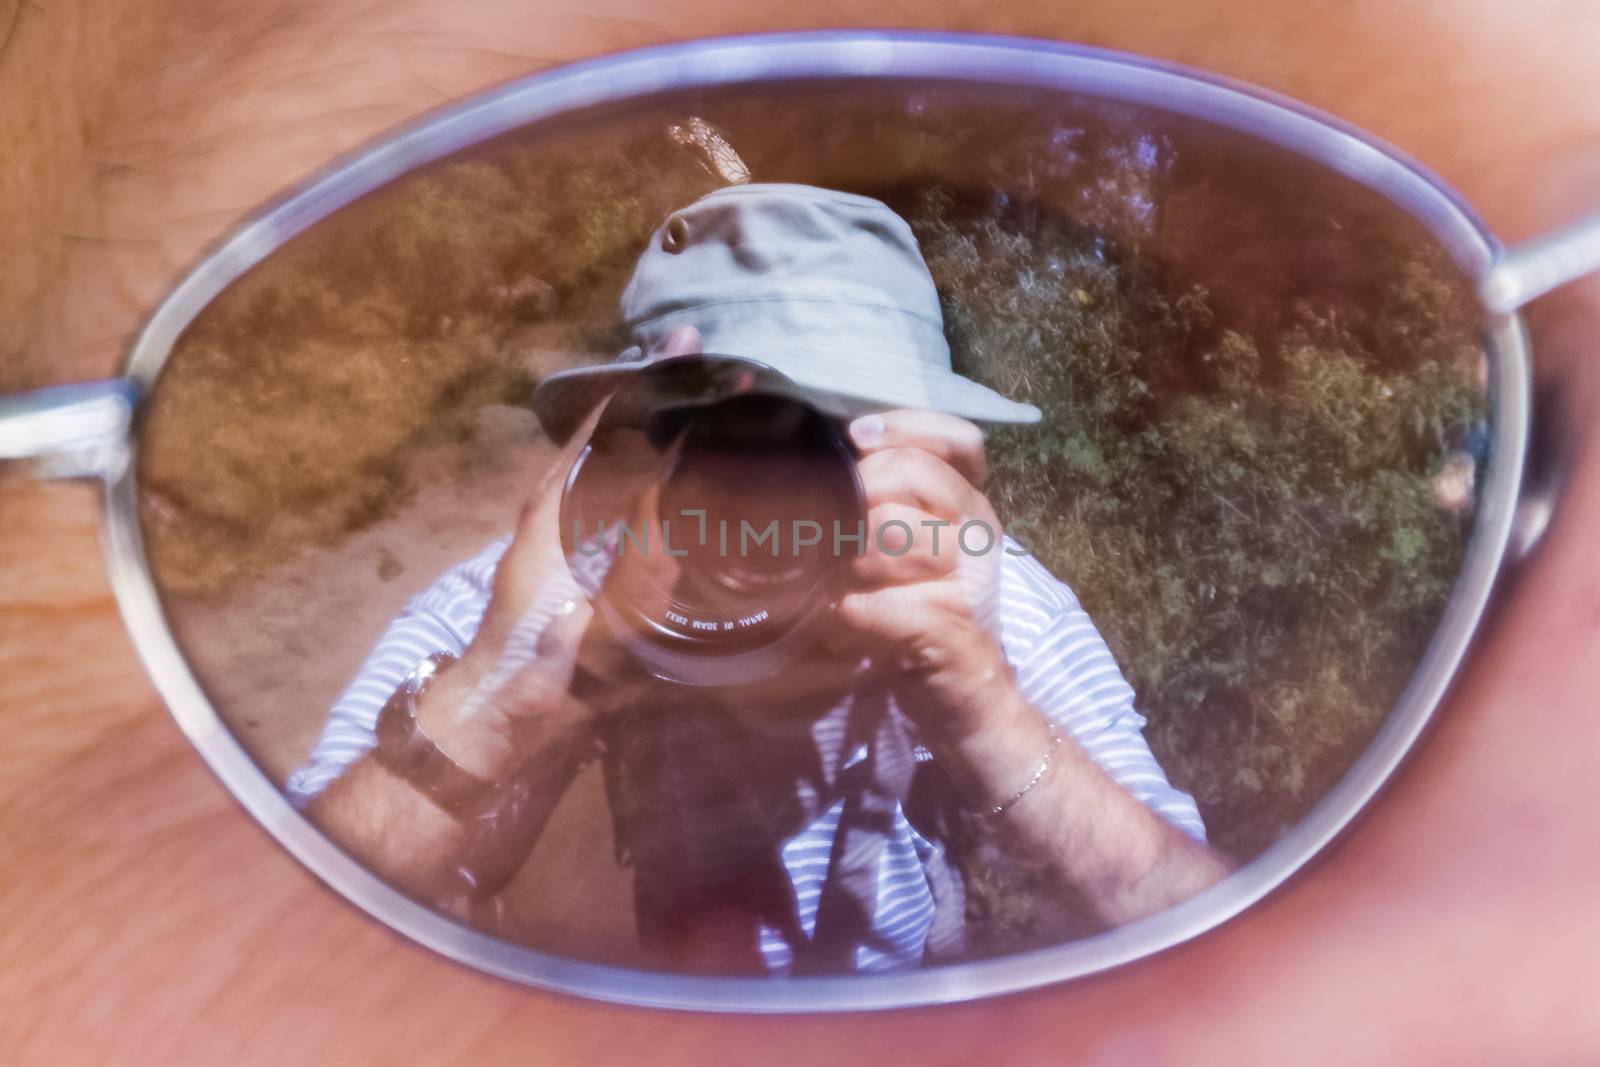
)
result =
(69, 431)
(1530, 270)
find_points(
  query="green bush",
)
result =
(1249, 520)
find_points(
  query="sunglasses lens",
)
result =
(1214, 564)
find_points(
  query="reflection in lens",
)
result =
(735, 502)
(1264, 426)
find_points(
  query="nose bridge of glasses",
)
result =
(69, 431)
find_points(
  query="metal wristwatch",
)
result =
(407, 752)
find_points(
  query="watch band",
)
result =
(407, 752)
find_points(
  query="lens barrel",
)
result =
(712, 517)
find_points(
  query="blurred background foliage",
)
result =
(1250, 520)
(1251, 372)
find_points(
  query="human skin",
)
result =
(916, 611)
(146, 918)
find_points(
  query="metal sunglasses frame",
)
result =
(92, 431)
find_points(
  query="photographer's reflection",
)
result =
(791, 798)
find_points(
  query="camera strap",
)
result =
(876, 788)
(703, 807)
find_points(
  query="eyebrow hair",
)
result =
(10, 32)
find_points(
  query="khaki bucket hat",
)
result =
(828, 288)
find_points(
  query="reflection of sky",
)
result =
(1120, 192)
(1144, 151)
(1064, 145)
(1142, 207)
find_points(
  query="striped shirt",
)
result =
(1062, 665)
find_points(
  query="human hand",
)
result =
(927, 584)
(543, 659)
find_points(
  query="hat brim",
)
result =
(564, 399)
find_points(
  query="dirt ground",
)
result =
(274, 654)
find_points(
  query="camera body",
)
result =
(711, 518)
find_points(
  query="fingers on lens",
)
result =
(897, 614)
(919, 479)
(949, 438)
(683, 341)
(904, 544)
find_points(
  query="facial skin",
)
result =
(1454, 924)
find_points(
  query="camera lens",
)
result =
(761, 468)
(738, 556)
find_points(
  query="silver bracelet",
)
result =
(1038, 776)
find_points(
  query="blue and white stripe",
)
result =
(1062, 665)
